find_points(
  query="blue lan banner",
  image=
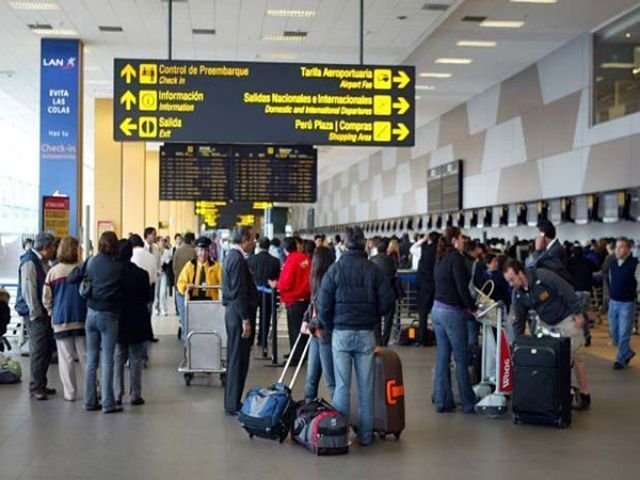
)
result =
(61, 124)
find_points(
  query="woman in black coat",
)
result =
(135, 326)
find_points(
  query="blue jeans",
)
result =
(451, 336)
(355, 347)
(180, 308)
(621, 318)
(473, 329)
(102, 333)
(132, 352)
(320, 363)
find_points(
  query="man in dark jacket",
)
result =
(581, 270)
(624, 285)
(265, 267)
(31, 277)
(555, 302)
(549, 253)
(390, 269)
(240, 297)
(353, 295)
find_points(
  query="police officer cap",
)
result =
(203, 242)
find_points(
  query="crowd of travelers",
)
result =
(339, 293)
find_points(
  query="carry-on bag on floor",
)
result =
(268, 412)
(321, 428)
(409, 334)
(542, 381)
(10, 371)
(388, 401)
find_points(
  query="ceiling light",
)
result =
(473, 19)
(62, 32)
(636, 71)
(617, 65)
(435, 7)
(476, 43)
(425, 87)
(502, 24)
(534, 1)
(283, 38)
(291, 13)
(627, 35)
(454, 61)
(435, 75)
(277, 56)
(34, 6)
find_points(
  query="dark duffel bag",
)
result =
(321, 428)
(542, 381)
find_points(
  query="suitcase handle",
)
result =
(302, 358)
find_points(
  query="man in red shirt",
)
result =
(294, 290)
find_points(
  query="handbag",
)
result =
(84, 288)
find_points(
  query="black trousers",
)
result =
(265, 307)
(238, 353)
(295, 313)
(41, 350)
(387, 324)
(426, 295)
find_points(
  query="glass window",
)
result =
(616, 69)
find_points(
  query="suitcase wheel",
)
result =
(187, 379)
(516, 420)
(382, 435)
(397, 435)
(251, 435)
(561, 424)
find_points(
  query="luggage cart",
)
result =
(206, 337)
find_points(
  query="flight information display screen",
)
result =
(261, 173)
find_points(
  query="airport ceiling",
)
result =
(416, 32)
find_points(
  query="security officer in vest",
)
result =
(31, 276)
(558, 307)
(200, 271)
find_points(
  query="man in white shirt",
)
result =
(145, 258)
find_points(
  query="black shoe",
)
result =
(119, 402)
(587, 341)
(618, 366)
(50, 391)
(112, 410)
(231, 414)
(633, 354)
(137, 401)
(39, 396)
(446, 410)
(155, 340)
(93, 408)
(286, 355)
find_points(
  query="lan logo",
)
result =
(148, 73)
(148, 127)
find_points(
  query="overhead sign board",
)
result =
(238, 173)
(254, 102)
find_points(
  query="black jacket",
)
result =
(389, 267)
(354, 294)
(452, 281)
(264, 267)
(135, 319)
(105, 274)
(238, 287)
(427, 263)
(581, 271)
(553, 258)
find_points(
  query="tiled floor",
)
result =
(181, 433)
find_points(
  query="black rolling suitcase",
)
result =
(542, 381)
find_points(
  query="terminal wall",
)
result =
(127, 184)
(527, 138)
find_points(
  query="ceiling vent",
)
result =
(473, 19)
(435, 7)
(109, 28)
(203, 31)
(40, 26)
(296, 34)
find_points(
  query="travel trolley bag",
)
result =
(321, 428)
(268, 412)
(542, 381)
(388, 401)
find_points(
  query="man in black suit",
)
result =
(265, 267)
(550, 253)
(240, 297)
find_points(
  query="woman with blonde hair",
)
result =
(68, 312)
